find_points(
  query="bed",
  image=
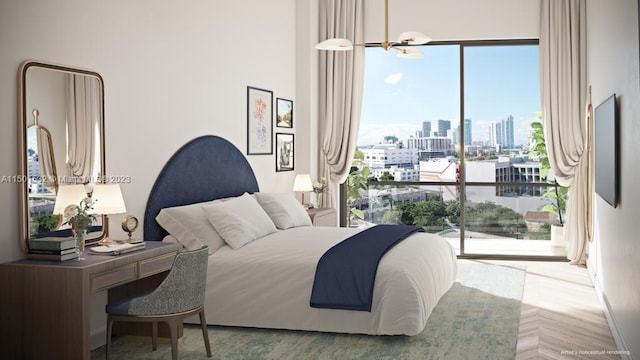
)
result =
(267, 282)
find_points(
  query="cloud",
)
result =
(393, 78)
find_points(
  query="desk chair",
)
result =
(180, 295)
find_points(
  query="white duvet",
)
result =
(267, 283)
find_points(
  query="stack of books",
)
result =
(53, 248)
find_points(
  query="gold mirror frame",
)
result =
(27, 119)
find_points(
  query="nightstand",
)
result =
(323, 217)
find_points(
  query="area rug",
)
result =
(478, 318)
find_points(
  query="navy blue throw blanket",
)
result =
(346, 273)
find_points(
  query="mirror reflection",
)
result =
(62, 118)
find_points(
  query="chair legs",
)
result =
(109, 329)
(205, 333)
(173, 322)
(173, 331)
(154, 336)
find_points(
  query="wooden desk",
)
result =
(45, 305)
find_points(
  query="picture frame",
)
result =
(285, 152)
(259, 121)
(284, 113)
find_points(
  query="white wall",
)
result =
(613, 67)
(173, 70)
(454, 19)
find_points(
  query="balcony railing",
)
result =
(497, 219)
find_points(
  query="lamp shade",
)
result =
(335, 44)
(407, 52)
(68, 195)
(302, 183)
(107, 199)
(413, 38)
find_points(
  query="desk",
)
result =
(45, 305)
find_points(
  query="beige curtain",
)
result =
(341, 87)
(564, 87)
(83, 114)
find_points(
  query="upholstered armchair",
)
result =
(180, 295)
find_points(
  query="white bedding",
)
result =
(267, 283)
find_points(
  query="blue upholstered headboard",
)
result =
(204, 169)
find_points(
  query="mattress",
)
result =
(267, 284)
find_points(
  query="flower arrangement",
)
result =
(79, 216)
(319, 187)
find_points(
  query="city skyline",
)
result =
(400, 94)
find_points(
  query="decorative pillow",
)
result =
(284, 209)
(190, 225)
(239, 221)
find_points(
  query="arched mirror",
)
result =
(61, 142)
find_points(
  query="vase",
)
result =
(318, 200)
(80, 235)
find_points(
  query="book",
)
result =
(117, 249)
(53, 252)
(52, 243)
(53, 257)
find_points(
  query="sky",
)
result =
(399, 94)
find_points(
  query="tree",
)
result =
(387, 176)
(490, 218)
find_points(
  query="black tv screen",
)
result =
(606, 150)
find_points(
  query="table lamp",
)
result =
(107, 200)
(68, 195)
(302, 184)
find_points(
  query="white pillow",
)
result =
(190, 225)
(284, 209)
(239, 221)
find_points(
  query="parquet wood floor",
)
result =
(561, 316)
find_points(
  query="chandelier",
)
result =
(401, 46)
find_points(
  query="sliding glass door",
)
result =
(447, 141)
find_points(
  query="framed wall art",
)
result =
(284, 152)
(284, 113)
(259, 121)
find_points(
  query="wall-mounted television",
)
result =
(606, 149)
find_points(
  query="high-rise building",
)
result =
(443, 126)
(509, 131)
(467, 132)
(493, 134)
(426, 129)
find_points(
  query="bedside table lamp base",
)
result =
(106, 240)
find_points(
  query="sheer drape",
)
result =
(83, 113)
(341, 87)
(563, 86)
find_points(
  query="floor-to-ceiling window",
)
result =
(447, 140)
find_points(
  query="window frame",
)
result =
(462, 183)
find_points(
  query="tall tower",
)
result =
(467, 132)
(510, 131)
(426, 128)
(492, 134)
(443, 126)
